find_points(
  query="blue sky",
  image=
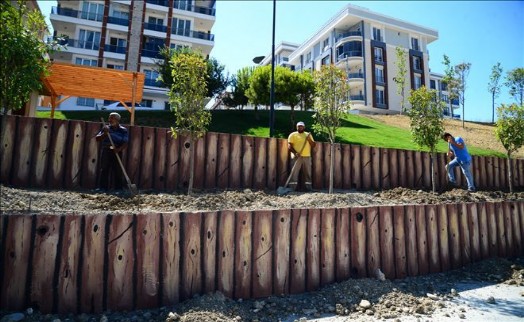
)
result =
(479, 32)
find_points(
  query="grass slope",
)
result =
(354, 129)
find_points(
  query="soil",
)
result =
(361, 299)
(475, 134)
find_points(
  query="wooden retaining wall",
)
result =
(93, 262)
(46, 153)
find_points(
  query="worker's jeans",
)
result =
(303, 163)
(109, 167)
(466, 169)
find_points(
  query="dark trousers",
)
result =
(109, 166)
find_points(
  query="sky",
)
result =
(479, 32)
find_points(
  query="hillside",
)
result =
(475, 134)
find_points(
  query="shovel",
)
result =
(132, 187)
(284, 190)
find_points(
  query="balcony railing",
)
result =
(118, 21)
(77, 14)
(355, 75)
(115, 49)
(351, 53)
(91, 45)
(155, 27)
(153, 82)
(193, 34)
(356, 97)
(151, 53)
(184, 6)
(348, 34)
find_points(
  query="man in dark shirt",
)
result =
(108, 162)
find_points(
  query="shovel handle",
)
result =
(117, 155)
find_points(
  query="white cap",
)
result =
(301, 123)
(115, 115)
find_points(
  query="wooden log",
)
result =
(92, 264)
(501, 230)
(170, 260)
(299, 238)
(373, 241)
(521, 219)
(342, 238)
(134, 155)
(393, 169)
(191, 256)
(358, 242)
(387, 251)
(432, 235)
(172, 163)
(465, 234)
(376, 168)
(262, 254)
(356, 169)
(367, 167)
(422, 244)
(313, 250)
(489, 172)
(518, 233)
(385, 175)
(16, 260)
(337, 177)
(327, 247)
(185, 162)
(346, 167)
(235, 162)
(483, 230)
(243, 254)
(210, 239)
(482, 178)
(272, 170)
(443, 237)
(503, 174)
(319, 168)
(401, 265)
(148, 234)
(411, 240)
(496, 169)
(160, 160)
(41, 149)
(57, 159)
(226, 252)
(474, 232)
(260, 166)
(248, 160)
(223, 166)
(281, 264)
(211, 160)
(455, 249)
(200, 163)
(492, 229)
(121, 258)
(73, 154)
(426, 175)
(7, 147)
(68, 275)
(403, 168)
(326, 161)
(283, 164)
(418, 163)
(508, 228)
(45, 250)
(23, 152)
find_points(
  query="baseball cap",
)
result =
(115, 115)
(301, 123)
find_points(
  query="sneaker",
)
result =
(472, 190)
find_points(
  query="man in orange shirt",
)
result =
(301, 143)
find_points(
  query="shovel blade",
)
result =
(132, 188)
(283, 190)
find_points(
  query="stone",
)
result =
(365, 304)
(13, 317)
(491, 300)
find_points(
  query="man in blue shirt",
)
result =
(108, 162)
(462, 158)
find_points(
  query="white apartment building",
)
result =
(127, 35)
(363, 43)
(436, 83)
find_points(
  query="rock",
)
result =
(370, 312)
(29, 311)
(103, 319)
(462, 316)
(365, 304)
(259, 305)
(491, 300)
(379, 275)
(13, 317)
(432, 296)
(147, 315)
(309, 311)
(454, 292)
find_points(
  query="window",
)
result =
(86, 62)
(379, 75)
(414, 44)
(326, 60)
(92, 11)
(182, 4)
(177, 46)
(84, 101)
(117, 45)
(432, 84)
(308, 57)
(377, 34)
(181, 27)
(118, 67)
(88, 39)
(379, 94)
(121, 14)
(147, 103)
(418, 81)
(417, 63)
(325, 45)
(156, 21)
(378, 54)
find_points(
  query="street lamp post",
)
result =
(272, 92)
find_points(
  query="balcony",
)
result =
(155, 27)
(153, 83)
(355, 75)
(184, 6)
(349, 54)
(193, 34)
(77, 14)
(356, 97)
(118, 21)
(115, 49)
(83, 44)
(151, 53)
(347, 35)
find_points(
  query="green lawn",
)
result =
(354, 130)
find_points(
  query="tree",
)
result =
(239, 84)
(23, 54)
(426, 122)
(462, 71)
(216, 80)
(306, 89)
(187, 93)
(515, 82)
(510, 131)
(494, 87)
(289, 83)
(331, 104)
(259, 90)
(400, 79)
(451, 80)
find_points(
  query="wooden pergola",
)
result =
(68, 80)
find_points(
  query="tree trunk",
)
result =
(493, 108)
(510, 173)
(462, 115)
(331, 165)
(191, 165)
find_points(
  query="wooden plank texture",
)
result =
(209, 264)
(90, 156)
(443, 237)
(223, 166)
(148, 265)
(7, 147)
(74, 154)
(134, 155)
(283, 162)
(248, 160)
(260, 166)
(160, 159)
(319, 168)
(22, 152)
(57, 155)
(313, 250)
(401, 265)
(387, 258)
(358, 242)
(191, 256)
(170, 260)
(200, 163)
(342, 238)
(68, 286)
(474, 232)
(422, 238)
(483, 230)
(508, 228)
(299, 223)
(226, 252)
(367, 167)
(346, 166)
(211, 160)
(262, 253)
(281, 251)
(454, 236)
(356, 169)
(235, 162)
(376, 168)
(41, 151)
(184, 162)
(327, 247)
(411, 240)
(516, 224)
(243, 254)
(465, 234)
(373, 241)
(271, 153)
(173, 163)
